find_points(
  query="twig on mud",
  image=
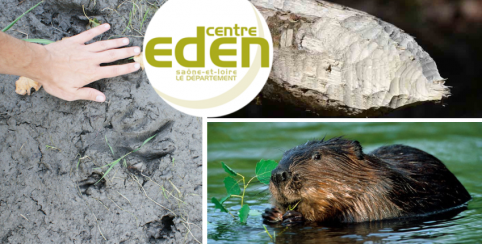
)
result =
(115, 173)
(24, 217)
(21, 32)
(78, 188)
(118, 6)
(102, 203)
(162, 188)
(153, 5)
(21, 147)
(137, 224)
(82, 158)
(125, 198)
(175, 187)
(98, 225)
(108, 9)
(52, 148)
(189, 231)
(145, 193)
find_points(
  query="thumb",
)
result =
(87, 93)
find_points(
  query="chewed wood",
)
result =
(333, 59)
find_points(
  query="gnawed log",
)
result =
(337, 61)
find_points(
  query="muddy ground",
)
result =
(45, 197)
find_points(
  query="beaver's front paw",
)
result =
(272, 215)
(291, 218)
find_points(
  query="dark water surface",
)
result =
(242, 145)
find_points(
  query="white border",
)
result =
(354, 120)
(205, 180)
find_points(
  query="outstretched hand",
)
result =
(70, 64)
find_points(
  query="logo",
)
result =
(208, 58)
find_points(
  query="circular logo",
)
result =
(208, 58)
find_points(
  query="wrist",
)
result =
(37, 67)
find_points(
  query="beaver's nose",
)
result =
(280, 175)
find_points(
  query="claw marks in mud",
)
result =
(160, 229)
(129, 129)
(134, 126)
(139, 122)
(147, 159)
(86, 186)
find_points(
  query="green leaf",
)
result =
(19, 17)
(263, 170)
(108, 170)
(39, 41)
(218, 205)
(225, 198)
(146, 141)
(243, 213)
(112, 150)
(94, 22)
(144, 19)
(111, 163)
(229, 170)
(232, 186)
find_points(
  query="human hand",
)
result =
(65, 67)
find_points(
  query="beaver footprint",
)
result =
(290, 218)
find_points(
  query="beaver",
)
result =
(335, 181)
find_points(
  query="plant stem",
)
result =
(85, 14)
(15, 21)
(244, 190)
(267, 232)
(234, 217)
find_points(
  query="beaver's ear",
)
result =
(358, 150)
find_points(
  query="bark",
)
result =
(337, 61)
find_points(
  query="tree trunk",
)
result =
(337, 61)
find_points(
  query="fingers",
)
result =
(109, 44)
(90, 34)
(116, 54)
(272, 215)
(116, 70)
(87, 93)
(292, 218)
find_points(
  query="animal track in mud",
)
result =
(157, 231)
(148, 158)
(88, 184)
(139, 122)
(135, 126)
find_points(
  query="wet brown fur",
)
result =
(346, 185)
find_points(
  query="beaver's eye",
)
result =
(316, 156)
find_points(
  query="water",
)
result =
(242, 145)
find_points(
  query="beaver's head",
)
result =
(322, 177)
